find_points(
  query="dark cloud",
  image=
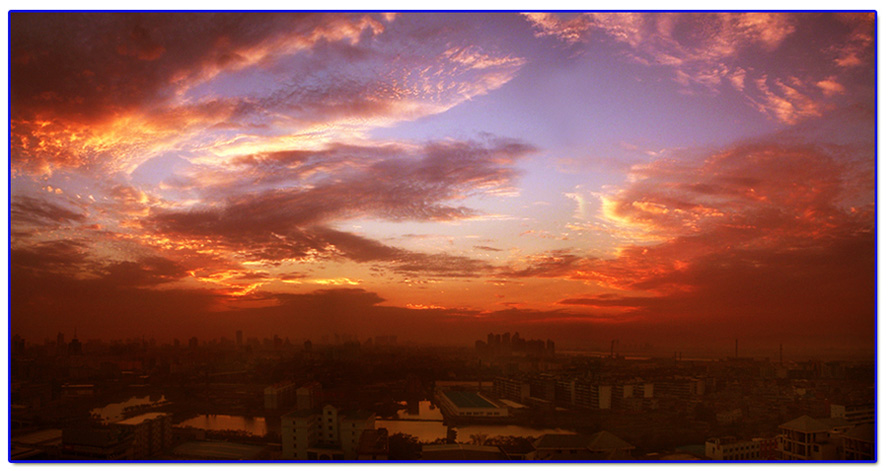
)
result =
(91, 65)
(611, 300)
(556, 263)
(397, 189)
(293, 222)
(74, 258)
(149, 271)
(95, 88)
(38, 211)
(105, 307)
(58, 255)
(76, 77)
(488, 249)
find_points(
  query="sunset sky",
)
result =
(671, 178)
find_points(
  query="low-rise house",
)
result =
(462, 452)
(600, 446)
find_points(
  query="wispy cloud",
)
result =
(198, 97)
(714, 50)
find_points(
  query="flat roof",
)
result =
(42, 436)
(141, 418)
(466, 399)
(218, 450)
(460, 451)
(513, 404)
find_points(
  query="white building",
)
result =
(326, 434)
(152, 433)
(280, 395)
(309, 396)
(856, 414)
(807, 438)
(731, 449)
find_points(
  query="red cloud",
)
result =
(763, 233)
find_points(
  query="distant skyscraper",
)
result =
(18, 344)
(75, 347)
(240, 337)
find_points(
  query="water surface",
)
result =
(114, 411)
(218, 422)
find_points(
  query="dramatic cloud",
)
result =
(291, 222)
(222, 84)
(28, 210)
(580, 176)
(759, 231)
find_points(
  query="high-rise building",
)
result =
(239, 335)
(309, 396)
(75, 347)
(280, 396)
(152, 433)
(856, 414)
(61, 347)
(859, 443)
(327, 434)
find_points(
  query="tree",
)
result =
(478, 438)
(510, 440)
(404, 447)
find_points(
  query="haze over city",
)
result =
(674, 180)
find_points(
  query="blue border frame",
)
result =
(9, 241)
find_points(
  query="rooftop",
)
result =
(605, 440)
(301, 413)
(600, 441)
(553, 441)
(98, 437)
(41, 437)
(459, 451)
(465, 399)
(218, 450)
(863, 433)
(806, 424)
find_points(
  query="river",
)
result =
(427, 424)
(219, 422)
(115, 411)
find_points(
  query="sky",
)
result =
(676, 179)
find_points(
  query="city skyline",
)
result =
(664, 178)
